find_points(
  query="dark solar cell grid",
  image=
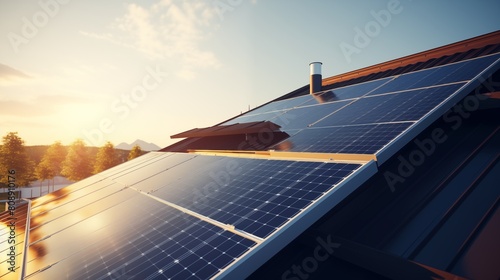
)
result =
(403, 106)
(154, 242)
(359, 139)
(457, 72)
(258, 197)
(302, 117)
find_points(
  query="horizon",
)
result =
(115, 145)
(148, 70)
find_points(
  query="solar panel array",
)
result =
(124, 229)
(365, 118)
(187, 216)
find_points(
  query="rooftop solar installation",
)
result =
(178, 216)
(284, 188)
(222, 214)
(373, 122)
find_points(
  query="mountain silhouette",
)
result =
(145, 146)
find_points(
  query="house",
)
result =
(387, 172)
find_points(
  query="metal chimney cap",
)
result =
(315, 68)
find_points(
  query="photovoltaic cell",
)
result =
(360, 139)
(403, 106)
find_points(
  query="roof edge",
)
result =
(450, 49)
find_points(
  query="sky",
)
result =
(120, 71)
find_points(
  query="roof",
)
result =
(387, 173)
(466, 49)
(441, 219)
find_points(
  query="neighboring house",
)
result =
(387, 172)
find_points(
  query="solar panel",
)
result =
(359, 139)
(284, 189)
(150, 240)
(451, 73)
(372, 123)
(404, 106)
(302, 117)
(461, 71)
(478, 70)
(126, 232)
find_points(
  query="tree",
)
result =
(135, 152)
(106, 158)
(44, 171)
(77, 166)
(51, 162)
(55, 156)
(13, 156)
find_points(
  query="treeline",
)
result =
(75, 162)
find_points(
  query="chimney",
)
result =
(315, 79)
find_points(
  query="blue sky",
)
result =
(119, 71)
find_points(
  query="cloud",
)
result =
(8, 73)
(168, 30)
(40, 106)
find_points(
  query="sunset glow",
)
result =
(79, 69)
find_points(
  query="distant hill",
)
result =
(145, 146)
